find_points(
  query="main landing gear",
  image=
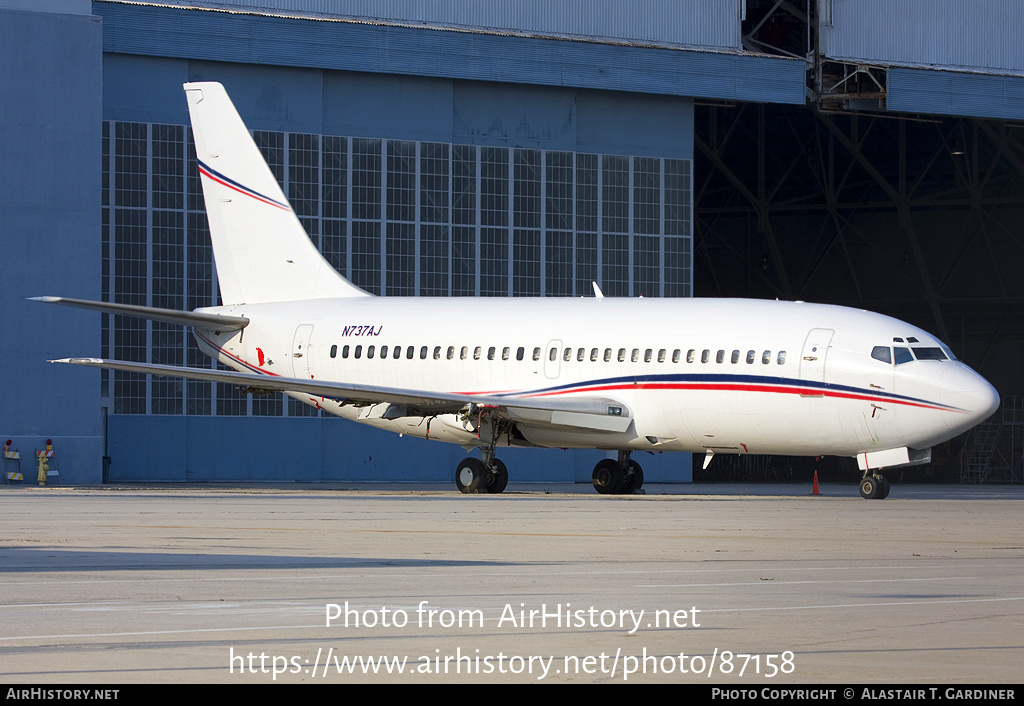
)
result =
(486, 475)
(620, 477)
(874, 487)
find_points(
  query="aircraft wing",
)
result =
(596, 413)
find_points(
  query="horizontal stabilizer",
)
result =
(219, 322)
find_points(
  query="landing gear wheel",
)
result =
(608, 477)
(471, 475)
(869, 487)
(635, 481)
(498, 477)
(883, 488)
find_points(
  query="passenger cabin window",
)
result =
(705, 355)
(675, 355)
(451, 352)
(477, 352)
(553, 355)
(464, 353)
(410, 351)
(751, 355)
(766, 357)
(690, 355)
(536, 353)
(359, 352)
(437, 352)
(735, 357)
(567, 355)
(505, 352)
(902, 355)
(383, 351)
(607, 355)
(334, 351)
(782, 358)
(344, 352)
(369, 351)
(622, 355)
(491, 351)
(720, 358)
(398, 353)
(882, 353)
(520, 353)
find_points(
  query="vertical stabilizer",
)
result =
(261, 250)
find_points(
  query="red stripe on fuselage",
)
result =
(733, 387)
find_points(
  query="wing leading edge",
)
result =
(594, 413)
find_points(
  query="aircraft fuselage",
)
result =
(730, 376)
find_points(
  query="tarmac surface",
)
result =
(755, 585)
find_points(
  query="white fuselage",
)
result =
(736, 376)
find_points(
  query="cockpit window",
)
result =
(882, 353)
(903, 355)
(923, 353)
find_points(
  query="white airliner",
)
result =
(701, 375)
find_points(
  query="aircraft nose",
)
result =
(973, 398)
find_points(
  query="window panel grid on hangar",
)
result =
(398, 218)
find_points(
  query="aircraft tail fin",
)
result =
(262, 252)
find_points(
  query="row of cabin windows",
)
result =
(580, 354)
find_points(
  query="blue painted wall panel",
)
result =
(410, 108)
(388, 106)
(215, 36)
(638, 125)
(252, 449)
(953, 93)
(49, 212)
(937, 33)
(694, 22)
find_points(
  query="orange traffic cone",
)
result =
(814, 491)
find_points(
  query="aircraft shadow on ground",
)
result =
(48, 559)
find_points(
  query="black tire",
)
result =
(883, 488)
(869, 487)
(635, 481)
(608, 477)
(498, 477)
(470, 475)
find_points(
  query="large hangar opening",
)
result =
(913, 216)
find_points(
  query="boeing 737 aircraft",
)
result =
(702, 375)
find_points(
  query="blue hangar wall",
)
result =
(50, 119)
(300, 77)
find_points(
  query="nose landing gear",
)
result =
(874, 487)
